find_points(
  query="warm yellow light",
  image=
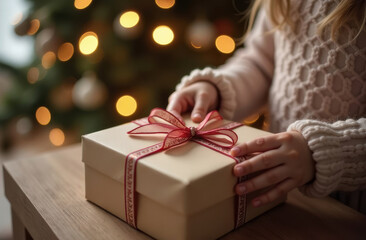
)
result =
(81, 4)
(65, 52)
(43, 115)
(88, 43)
(33, 75)
(251, 119)
(126, 105)
(165, 4)
(48, 59)
(225, 44)
(57, 137)
(129, 19)
(163, 35)
(34, 26)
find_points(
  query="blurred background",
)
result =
(76, 66)
(73, 67)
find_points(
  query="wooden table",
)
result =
(46, 193)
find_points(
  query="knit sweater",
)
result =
(311, 84)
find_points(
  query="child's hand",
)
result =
(201, 96)
(285, 159)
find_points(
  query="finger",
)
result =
(258, 145)
(259, 162)
(201, 107)
(172, 96)
(266, 179)
(280, 190)
(176, 106)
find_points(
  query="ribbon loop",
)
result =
(163, 122)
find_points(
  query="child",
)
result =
(307, 61)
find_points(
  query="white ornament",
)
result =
(89, 93)
(24, 125)
(201, 34)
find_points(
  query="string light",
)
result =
(126, 105)
(65, 52)
(34, 26)
(57, 137)
(251, 119)
(88, 43)
(43, 115)
(225, 44)
(48, 59)
(129, 19)
(165, 4)
(163, 35)
(81, 4)
(33, 75)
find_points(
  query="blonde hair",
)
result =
(279, 12)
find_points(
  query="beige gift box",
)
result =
(186, 192)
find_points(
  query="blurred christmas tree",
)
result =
(100, 63)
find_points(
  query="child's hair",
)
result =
(279, 12)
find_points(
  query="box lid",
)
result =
(186, 179)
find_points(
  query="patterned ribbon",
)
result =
(162, 122)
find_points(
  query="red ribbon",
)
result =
(162, 122)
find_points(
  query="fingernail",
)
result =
(197, 116)
(239, 171)
(242, 189)
(235, 151)
(256, 202)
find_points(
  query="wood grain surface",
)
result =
(46, 193)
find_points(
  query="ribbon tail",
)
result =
(130, 181)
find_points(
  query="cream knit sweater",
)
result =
(311, 84)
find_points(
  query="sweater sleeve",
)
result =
(339, 152)
(244, 80)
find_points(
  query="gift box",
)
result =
(183, 192)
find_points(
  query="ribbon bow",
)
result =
(163, 122)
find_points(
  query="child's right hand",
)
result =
(200, 97)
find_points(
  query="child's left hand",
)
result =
(286, 162)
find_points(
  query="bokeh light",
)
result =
(81, 4)
(34, 26)
(88, 43)
(33, 75)
(65, 52)
(57, 137)
(163, 35)
(48, 59)
(43, 115)
(225, 44)
(126, 105)
(165, 4)
(129, 19)
(251, 119)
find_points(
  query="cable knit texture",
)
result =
(339, 152)
(311, 83)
